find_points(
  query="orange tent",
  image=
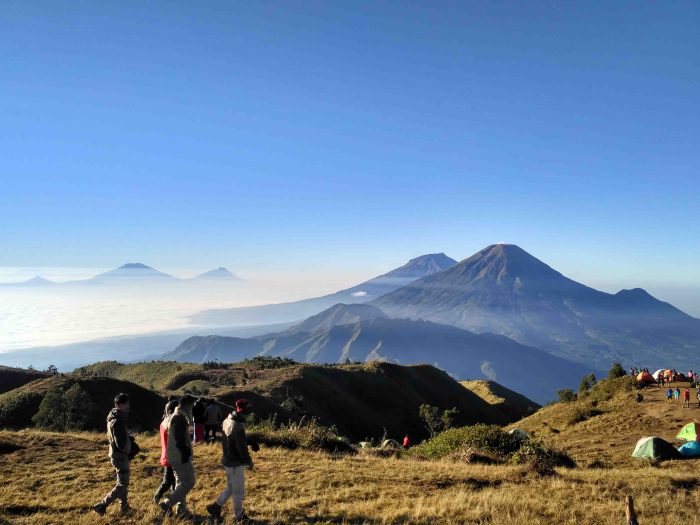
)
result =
(645, 377)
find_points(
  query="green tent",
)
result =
(655, 448)
(689, 432)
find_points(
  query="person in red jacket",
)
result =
(168, 476)
(406, 442)
(686, 398)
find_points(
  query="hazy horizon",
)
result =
(31, 317)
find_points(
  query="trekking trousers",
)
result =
(167, 483)
(234, 489)
(184, 482)
(121, 489)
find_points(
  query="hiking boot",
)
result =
(243, 518)
(100, 508)
(126, 511)
(214, 511)
(167, 509)
(184, 514)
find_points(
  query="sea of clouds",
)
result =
(38, 317)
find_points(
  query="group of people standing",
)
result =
(206, 417)
(178, 432)
(674, 395)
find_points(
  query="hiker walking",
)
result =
(198, 417)
(235, 459)
(686, 398)
(122, 449)
(179, 456)
(677, 394)
(168, 474)
(212, 421)
(406, 442)
(669, 395)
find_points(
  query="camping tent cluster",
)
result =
(666, 373)
(656, 448)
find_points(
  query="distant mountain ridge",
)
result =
(361, 332)
(505, 290)
(36, 281)
(132, 273)
(297, 310)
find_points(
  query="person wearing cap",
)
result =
(235, 459)
(179, 456)
(119, 455)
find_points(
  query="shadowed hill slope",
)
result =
(11, 378)
(18, 406)
(363, 400)
(360, 400)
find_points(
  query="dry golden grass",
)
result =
(57, 477)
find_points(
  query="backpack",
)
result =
(135, 449)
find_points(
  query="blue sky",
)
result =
(331, 137)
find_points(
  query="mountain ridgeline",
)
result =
(363, 333)
(505, 290)
(297, 310)
(131, 274)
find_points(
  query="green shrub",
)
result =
(60, 411)
(587, 382)
(434, 420)
(609, 388)
(541, 458)
(489, 439)
(616, 371)
(582, 413)
(264, 362)
(566, 395)
(308, 435)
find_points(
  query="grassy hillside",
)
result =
(55, 478)
(155, 375)
(602, 427)
(18, 406)
(361, 400)
(367, 400)
(511, 404)
(11, 378)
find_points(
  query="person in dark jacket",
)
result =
(119, 455)
(212, 421)
(179, 456)
(235, 458)
(168, 474)
(198, 418)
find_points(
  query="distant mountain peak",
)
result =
(132, 272)
(218, 273)
(38, 279)
(134, 266)
(633, 292)
(423, 265)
